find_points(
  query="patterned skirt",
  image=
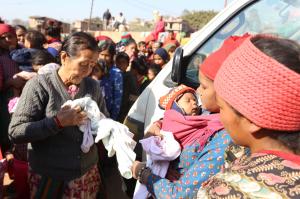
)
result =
(87, 186)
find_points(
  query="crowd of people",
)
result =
(121, 71)
(243, 142)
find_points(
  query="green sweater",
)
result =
(53, 152)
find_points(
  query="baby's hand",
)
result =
(154, 130)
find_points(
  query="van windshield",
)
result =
(279, 17)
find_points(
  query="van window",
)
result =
(279, 17)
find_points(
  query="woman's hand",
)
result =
(68, 116)
(136, 167)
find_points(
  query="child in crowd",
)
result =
(99, 71)
(142, 49)
(152, 47)
(156, 45)
(170, 48)
(113, 81)
(153, 70)
(130, 49)
(41, 58)
(21, 32)
(129, 85)
(161, 57)
(139, 70)
(53, 37)
(34, 41)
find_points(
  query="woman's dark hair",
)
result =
(286, 52)
(108, 45)
(36, 39)
(20, 27)
(77, 42)
(42, 57)
(122, 55)
(140, 66)
(155, 68)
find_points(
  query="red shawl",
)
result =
(188, 129)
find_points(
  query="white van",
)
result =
(280, 17)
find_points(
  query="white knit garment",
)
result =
(160, 153)
(116, 137)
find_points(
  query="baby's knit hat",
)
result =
(166, 101)
(213, 62)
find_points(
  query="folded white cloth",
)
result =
(161, 152)
(118, 140)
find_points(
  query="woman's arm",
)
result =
(29, 123)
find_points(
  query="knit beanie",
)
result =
(103, 40)
(166, 101)
(162, 53)
(5, 28)
(260, 88)
(213, 62)
(125, 36)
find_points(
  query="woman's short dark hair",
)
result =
(36, 39)
(286, 52)
(79, 41)
(42, 57)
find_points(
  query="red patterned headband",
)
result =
(260, 88)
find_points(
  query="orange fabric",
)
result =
(213, 62)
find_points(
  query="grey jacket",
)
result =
(53, 152)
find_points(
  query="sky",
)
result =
(70, 10)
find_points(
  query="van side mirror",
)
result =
(177, 66)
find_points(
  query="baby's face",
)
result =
(188, 103)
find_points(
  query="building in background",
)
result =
(40, 23)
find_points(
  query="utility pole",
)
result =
(90, 21)
(225, 3)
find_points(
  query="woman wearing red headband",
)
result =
(259, 97)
